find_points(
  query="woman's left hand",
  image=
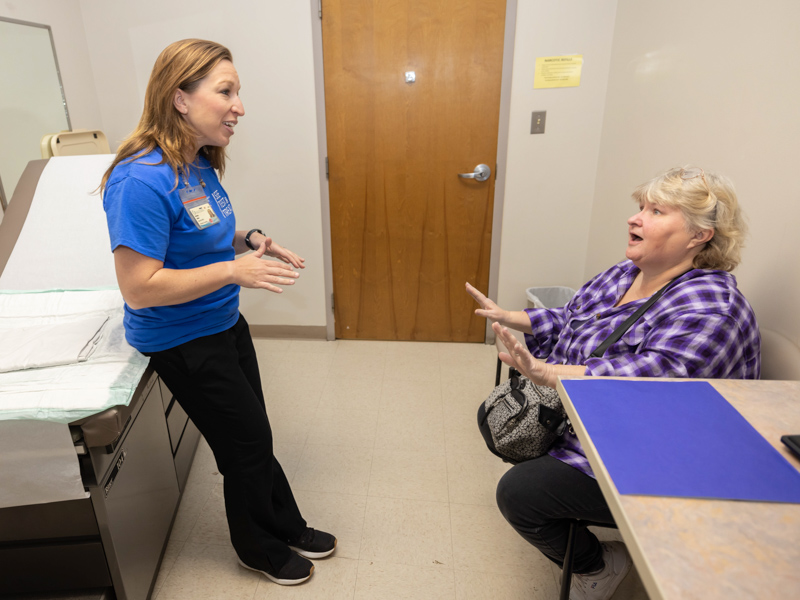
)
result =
(275, 250)
(522, 360)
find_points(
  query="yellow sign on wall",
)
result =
(558, 71)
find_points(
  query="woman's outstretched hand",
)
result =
(522, 360)
(488, 309)
(275, 250)
(516, 319)
(251, 271)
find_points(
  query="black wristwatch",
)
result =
(247, 238)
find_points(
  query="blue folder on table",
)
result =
(673, 438)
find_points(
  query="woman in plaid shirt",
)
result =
(689, 231)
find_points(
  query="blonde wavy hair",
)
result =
(707, 201)
(181, 65)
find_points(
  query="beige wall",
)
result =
(714, 84)
(550, 178)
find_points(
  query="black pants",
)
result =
(216, 381)
(539, 497)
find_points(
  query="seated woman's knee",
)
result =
(518, 493)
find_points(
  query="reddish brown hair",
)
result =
(181, 65)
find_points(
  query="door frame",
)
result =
(509, 36)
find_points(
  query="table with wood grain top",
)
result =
(687, 548)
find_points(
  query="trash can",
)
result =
(549, 297)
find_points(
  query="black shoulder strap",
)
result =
(620, 331)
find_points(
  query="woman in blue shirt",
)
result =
(174, 240)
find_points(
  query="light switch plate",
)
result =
(537, 121)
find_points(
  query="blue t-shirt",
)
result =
(145, 213)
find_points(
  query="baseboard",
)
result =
(289, 332)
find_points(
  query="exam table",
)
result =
(133, 459)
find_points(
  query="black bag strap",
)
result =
(620, 331)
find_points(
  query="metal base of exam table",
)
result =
(117, 536)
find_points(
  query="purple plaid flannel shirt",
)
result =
(702, 327)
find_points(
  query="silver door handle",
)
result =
(481, 173)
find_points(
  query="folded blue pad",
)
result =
(680, 438)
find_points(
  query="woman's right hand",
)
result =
(251, 271)
(488, 309)
(515, 319)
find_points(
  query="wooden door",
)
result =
(406, 231)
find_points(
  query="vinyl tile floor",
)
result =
(380, 444)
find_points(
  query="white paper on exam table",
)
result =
(64, 244)
(34, 346)
(70, 392)
(38, 463)
(34, 467)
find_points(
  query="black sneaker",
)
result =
(314, 544)
(297, 570)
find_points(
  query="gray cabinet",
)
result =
(118, 535)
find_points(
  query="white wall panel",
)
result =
(271, 177)
(714, 84)
(551, 177)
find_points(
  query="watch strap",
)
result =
(247, 241)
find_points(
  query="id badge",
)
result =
(198, 207)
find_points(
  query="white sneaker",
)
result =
(603, 584)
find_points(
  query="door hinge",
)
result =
(320, 9)
(332, 305)
(327, 169)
